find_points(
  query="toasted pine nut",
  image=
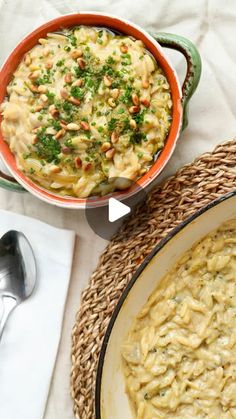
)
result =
(123, 48)
(35, 130)
(110, 153)
(78, 162)
(107, 81)
(105, 146)
(46, 51)
(42, 88)
(111, 102)
(145, 82)
(35, 139)
(33, 88)
(27, 60)
(34, 75)
(49, 65)
(44, 98)
(74, 101)
(76, 53)
(133, 124)
(87, 166)
(135, 99)
(63, 124)
(73, 127)
(34, 67)
(114, 137)
(42, 41)
(84, 125)
(134, 109)
(60, 133)
(68, 78)
(55, 169)
(145, 102)
(54, 112)
(115, 93)
(78, 82)
(64, 93)
(38, 108)
(81, 62)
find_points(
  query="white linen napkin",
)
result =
(29, 344)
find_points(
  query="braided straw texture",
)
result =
(193, 186)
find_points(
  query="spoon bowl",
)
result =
(17, 272)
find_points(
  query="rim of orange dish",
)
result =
(125, 27)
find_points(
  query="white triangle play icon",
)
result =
(117, 210)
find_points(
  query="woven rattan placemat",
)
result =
(195, 185)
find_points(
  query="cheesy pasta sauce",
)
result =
(180, 355)
(86, 106)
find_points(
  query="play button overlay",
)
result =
(117, 210)
(106, 220)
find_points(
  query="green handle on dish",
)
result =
(9, 183)
(190, 84)
(194, 65)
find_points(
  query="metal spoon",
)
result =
(17, 272)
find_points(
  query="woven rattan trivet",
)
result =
(207, 178)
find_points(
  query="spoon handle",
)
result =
(9, 303)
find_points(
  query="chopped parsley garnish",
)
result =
(126, 59)
(56, 124)
(137, 137)
(44, 79)
(67, 106)
(67, 48)
(89, 82)
(78, 71)
(115, 84)
(121, 110)
(112, 124)
(139, 117)
(126, 125)
(73, 39)
(51, 97)
(127, 96)
(77, 92)
(47, 147)
(110, 60)
(26, 156)
(31, 171)
(60, 63)
(68, 143)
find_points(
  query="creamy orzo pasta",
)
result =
(180, 355)
(86, 106)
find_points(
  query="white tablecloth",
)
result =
(208, 23)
